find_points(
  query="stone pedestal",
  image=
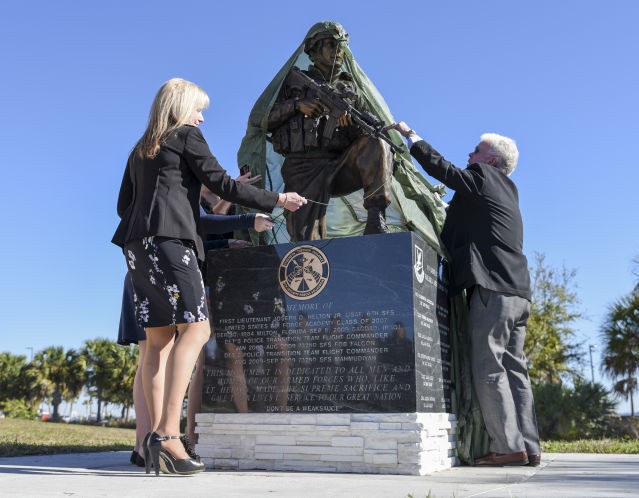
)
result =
(373, 443)
(329, 355)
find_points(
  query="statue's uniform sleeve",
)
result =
(285, 123)
(284, 107)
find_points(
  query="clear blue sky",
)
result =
(561, 77)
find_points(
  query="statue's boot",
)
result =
(376, 221)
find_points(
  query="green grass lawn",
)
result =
(628, 446)
(33, 437)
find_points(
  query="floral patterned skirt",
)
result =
(167, 282)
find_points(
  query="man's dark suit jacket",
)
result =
(161, 196)
(483, 232)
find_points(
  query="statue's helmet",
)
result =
(324, 29)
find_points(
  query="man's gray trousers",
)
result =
(497, 325)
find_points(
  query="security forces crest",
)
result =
(304, 272)
(418, 267)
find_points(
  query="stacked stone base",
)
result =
(377, 443)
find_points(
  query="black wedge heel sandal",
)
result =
(167, 463)
(147, 452)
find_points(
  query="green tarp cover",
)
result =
(414, 206)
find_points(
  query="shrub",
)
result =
(582, 411)
(18, 408)
(623, 427)
(121, 423)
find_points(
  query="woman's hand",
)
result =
(263, 222)
(291, 201)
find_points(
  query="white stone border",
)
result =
(372, 443)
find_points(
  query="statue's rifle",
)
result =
(335, 99)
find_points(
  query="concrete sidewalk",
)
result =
(109, 474)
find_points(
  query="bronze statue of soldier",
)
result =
(324, 156)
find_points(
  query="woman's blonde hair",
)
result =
(172, 107)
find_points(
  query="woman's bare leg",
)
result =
(182, 357)
(159, 342)
(142, 418)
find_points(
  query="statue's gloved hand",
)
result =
(310, 107)
(345, 120)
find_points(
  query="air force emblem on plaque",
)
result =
(304, 272)
(419, 264)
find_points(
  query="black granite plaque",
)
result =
(357, 324)
(432, 350)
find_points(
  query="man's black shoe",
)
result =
(534, 460)
(502, 459)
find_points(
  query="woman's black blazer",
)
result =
(160, 196)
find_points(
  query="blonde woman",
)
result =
(159, 210)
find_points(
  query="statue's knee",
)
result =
(371, 142)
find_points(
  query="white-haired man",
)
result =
(483, 234)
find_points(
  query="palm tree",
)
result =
(127, 362)
(58, 375)
(107, 372)
(10, 382)
(620, 335)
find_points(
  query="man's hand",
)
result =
(248, 179)
(222, 206)
(401, 127)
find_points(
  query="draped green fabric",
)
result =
(472, 438)
(416, 205)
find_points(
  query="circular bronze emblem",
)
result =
(304, 271)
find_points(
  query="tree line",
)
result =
(568, 405)
(105, 369)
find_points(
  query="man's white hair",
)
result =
(505, 149)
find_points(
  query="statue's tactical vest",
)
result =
(302, 134)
